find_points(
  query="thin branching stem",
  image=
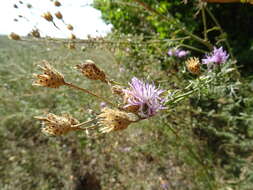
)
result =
(85, 123)
(193, 48)
(204, 21)
(221, 30)
(91, 93)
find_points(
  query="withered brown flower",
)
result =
(51, 78)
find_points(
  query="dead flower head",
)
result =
(35, 33)
(70, 27)
(114, 120)
(91, 71)
(71, 45)
(58, 125)
(57, 3)
(72, 36)
(51, 78)
(47, 16)
(58, 15)
(193, 65)
(14, 36)
(29, 6)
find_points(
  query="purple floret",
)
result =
(146, 96)
(178, 53)
(217, 56)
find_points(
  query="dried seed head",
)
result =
(71, 46)
(29, 6)
(57, 4)
(193, 65)
(114, 120)
(14, 36)
(70, 27)
(47, 16)
(116, 89)
(58, 15)
(91, 71)
(35, 33)
(72, 37)
(58, 125)
(51, 77)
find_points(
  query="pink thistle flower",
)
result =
(145, 96)
(178, 53)
(217, 56)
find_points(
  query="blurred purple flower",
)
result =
(217, 56)
(102, 104)
(145, 96)
(178, 53)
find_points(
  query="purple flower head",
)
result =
(217, 56)
(103, 105)
(178, 53)
(145, 96)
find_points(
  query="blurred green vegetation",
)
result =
(167, 19)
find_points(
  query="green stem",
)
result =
(221, 30)
(192, 48)
(204, 22)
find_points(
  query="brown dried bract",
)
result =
(91, 71)
(116, 89)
